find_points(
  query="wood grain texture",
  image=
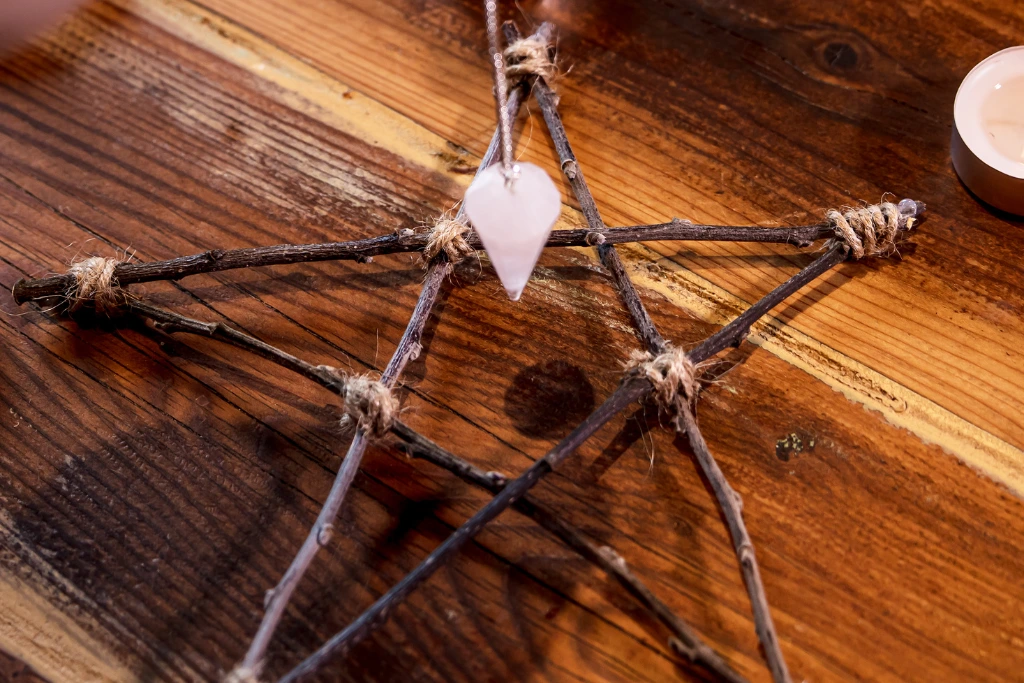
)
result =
(788, 114)
(152, 489)
(13, 669)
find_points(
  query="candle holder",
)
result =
(988, 130)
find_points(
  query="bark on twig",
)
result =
(609, 256)
(732, 505)
(406, 241)
(685, 641)
(408, 348)
(633, 387)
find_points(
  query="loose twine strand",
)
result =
(672, 373)
(367, 402)
(869, 231)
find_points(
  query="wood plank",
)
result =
(12, 668)
(118, 132)
(766, 131)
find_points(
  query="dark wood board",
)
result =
(151, 489)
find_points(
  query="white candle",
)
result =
(988, 130)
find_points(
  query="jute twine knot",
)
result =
(869, 231)
(672, 373)
(448, 236)
(95, 283)
(368, 403)
(242, 674)
(530, 56)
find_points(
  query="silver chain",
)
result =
(500, 91)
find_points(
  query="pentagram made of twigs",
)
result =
(661, 370)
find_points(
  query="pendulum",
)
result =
(512, 206)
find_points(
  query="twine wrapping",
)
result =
(95, 283)
(367, 402)
(529, 56)
(448, 236)
(242, 674)
(672, 373)
(869, 231)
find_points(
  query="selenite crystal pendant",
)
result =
(513, 220)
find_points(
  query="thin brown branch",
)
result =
(731, 506)
(408, 348)
(277, 599)
(406, 241)
(656, 343)
(685, 641)
(574, 174)
(341, 643)
(648, 332)
(632, 389)
(170, 322)
(738, 328)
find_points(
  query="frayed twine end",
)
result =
(448, 236)
(242, 674)
(96, 286)
(672, 373)
(368, 403)
(530, 56)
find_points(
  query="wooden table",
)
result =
(153, 488)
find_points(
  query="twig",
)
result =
(685, 641)
(656, 344)
(170, 322)
(732, 505)
(340, 644)
(408, 348)
(406, 241)
(738, 328)
(609, 256)
(278, 597)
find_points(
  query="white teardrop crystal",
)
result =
(513, 221)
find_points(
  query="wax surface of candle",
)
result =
(1002, 115)
(987, 145)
